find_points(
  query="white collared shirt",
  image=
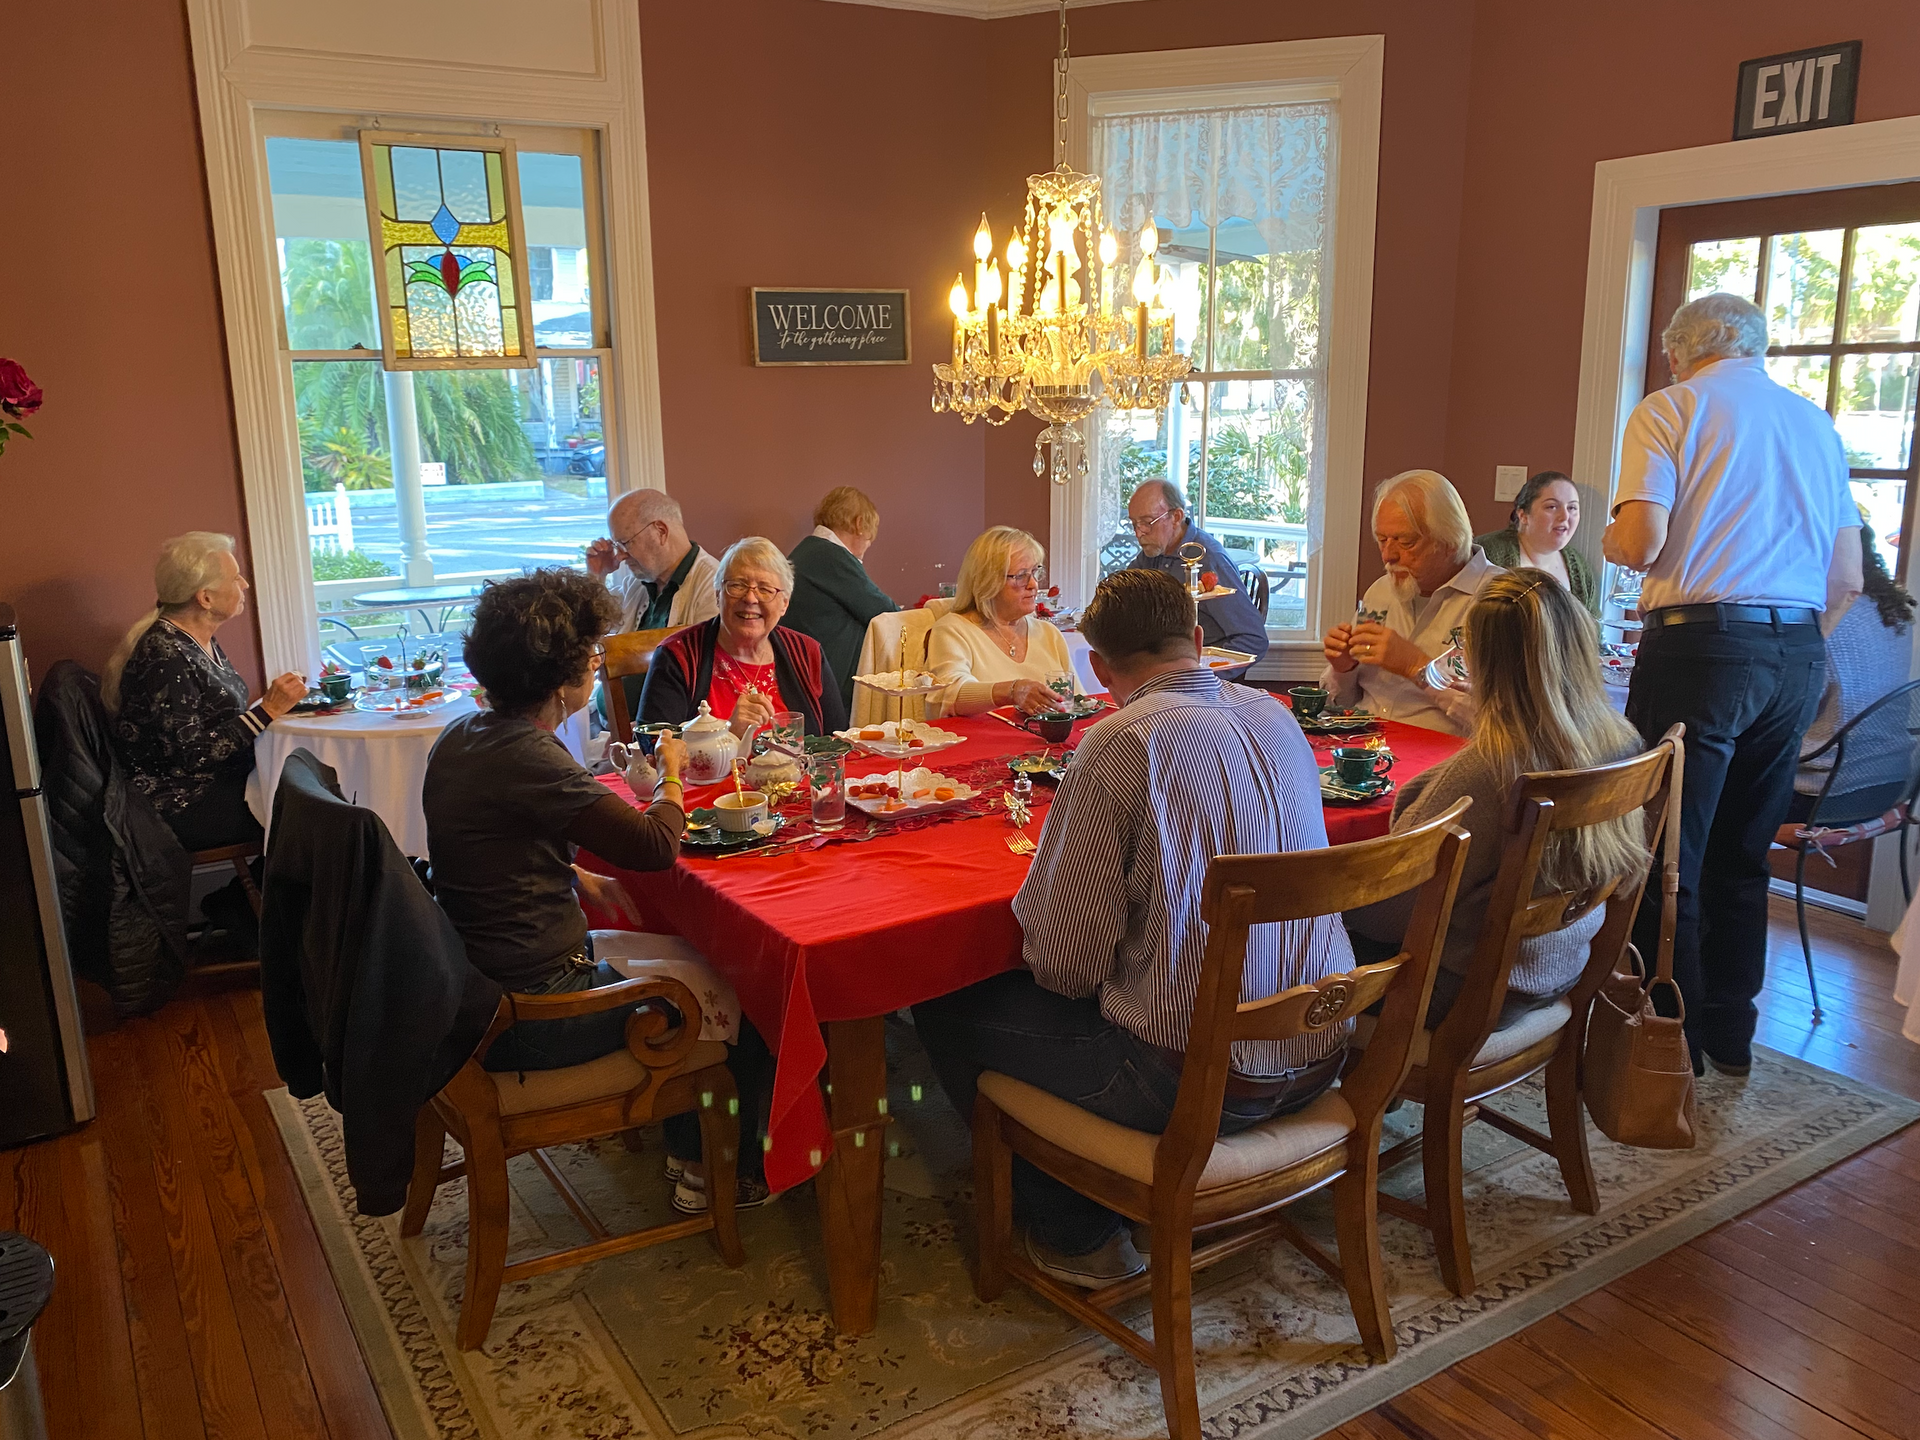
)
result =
(825, 532)
(1754, 481)
(1432, 623)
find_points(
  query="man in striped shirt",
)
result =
(1190, 768)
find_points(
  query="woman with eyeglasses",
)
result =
(743, 664)
(989, 649)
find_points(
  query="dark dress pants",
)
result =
(220, 816)
(1746, 693)
(1068, 1048)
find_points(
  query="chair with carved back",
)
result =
(623, 656)
(1465, 1060)
(664, 1069)
(1190, 1178)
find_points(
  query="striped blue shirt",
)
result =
(1190, 769)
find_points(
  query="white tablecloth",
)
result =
(381, 761)
(1078, 648)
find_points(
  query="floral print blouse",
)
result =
(184, 721)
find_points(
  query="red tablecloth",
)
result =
(857, 930)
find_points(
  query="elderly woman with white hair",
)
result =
(989, 648)
(180, 709)
(1416, 612)
(743, 664)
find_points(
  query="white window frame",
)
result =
(254, 56)
(1347, 70)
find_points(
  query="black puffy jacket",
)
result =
(125, 880)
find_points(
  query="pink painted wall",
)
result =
(109, 297)
(795, 142)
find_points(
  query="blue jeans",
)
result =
(555, 1044)
(1067, 1048)
(1746, 693)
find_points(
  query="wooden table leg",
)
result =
(849, 1187)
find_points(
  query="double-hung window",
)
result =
(1241, 190)
(440, 477)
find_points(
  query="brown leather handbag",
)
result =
(1638, 1073)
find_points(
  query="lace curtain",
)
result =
(1271, 166)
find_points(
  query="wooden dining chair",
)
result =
(624, 655)
(238, 856)
(1191, 1177)
(1464, 1061)
(495, 1115)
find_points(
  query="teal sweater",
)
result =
(833, 599)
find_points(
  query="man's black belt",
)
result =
(1774, 615)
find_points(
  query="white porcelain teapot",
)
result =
(711, 747)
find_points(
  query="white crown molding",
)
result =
(980, 9)
(1628, 196)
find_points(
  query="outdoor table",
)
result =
(840, 937)
(380, 757)
(419, 597)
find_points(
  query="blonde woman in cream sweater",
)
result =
(989, 649)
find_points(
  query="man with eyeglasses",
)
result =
(666, 581)
(1161, 522)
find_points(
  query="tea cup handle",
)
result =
(1382, 761)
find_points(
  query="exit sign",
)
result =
(1801, 90)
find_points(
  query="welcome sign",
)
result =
(830, 327)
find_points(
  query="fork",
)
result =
(1019, 844)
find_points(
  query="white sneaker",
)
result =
(1115, 1260)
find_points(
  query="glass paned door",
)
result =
(1842, 302)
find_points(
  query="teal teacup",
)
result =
(336, 687)
(1357, 765)
(1308, 701)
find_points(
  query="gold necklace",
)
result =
(1013, 641)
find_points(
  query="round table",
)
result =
(381, 760)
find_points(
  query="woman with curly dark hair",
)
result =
(505, 803)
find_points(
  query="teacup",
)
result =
(1308, 701)
(740, 812)
(336, 687)
(1359, 765)
(1052, 728)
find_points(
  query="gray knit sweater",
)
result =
(1547, 965)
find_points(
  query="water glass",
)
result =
(787, 730)
(1061, 683)
(827, 787)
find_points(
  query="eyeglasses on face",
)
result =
(747, 589)
(1033, 575)
(1143, 525)
(626, 545)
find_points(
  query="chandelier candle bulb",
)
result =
(1140, 333)
(993, 333)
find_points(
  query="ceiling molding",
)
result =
(980, 9)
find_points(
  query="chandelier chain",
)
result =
(1060, 92)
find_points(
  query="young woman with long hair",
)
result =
(1536, 676)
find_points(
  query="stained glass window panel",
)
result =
(449, 239)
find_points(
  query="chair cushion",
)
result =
(608, 1077)
(1270, 1145)
(1533, 1026)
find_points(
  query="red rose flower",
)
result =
(18, 394)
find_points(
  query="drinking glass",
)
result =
(827, 786)
(1060, 682)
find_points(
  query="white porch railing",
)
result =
(330, 522)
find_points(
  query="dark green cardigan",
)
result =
(833, 599)
(1503, 549)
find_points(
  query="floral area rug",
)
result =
(668, 1342)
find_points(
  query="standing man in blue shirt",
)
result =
(1159, 515)
(1734, 498)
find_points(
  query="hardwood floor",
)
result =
(193, 1298)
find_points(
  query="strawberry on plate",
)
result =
(1208, 579)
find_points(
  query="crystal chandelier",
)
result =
(1049, 339)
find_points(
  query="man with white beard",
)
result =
(1416, 612)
